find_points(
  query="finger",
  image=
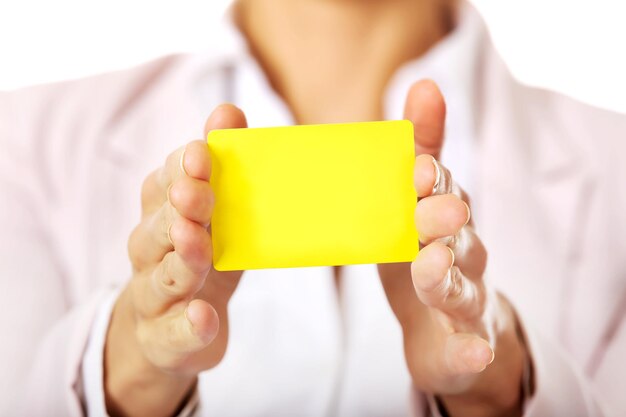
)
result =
(469, 252)
(170, 338)
(441, 285)
(440, 216)
(433, 178)
(150, 240)
(182, 272)
(466, 354)
(426, 174)
(426, 109)
(193, 199)
(193, 159)
(195, 162)
(155, 188)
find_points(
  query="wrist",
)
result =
(133, 385)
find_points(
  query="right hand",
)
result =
(171, 320)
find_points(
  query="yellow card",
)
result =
(313, 195)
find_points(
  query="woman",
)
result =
(542, 336)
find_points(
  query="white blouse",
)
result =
(293, 345)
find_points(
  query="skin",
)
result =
(171, 321)
(330, 60)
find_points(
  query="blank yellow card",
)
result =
(313, 195)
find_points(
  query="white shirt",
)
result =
(292, 346)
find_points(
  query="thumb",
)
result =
(426, 109)
(221, 285)
(225, 116)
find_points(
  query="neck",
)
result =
(331, 60)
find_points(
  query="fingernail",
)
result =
(452, 255)
(169, 235)
(182, 161)
(169, 189)
(481, 354)
(437, 175)
(469, 213)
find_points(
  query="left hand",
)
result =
(460, 337)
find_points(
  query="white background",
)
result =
(574, 46)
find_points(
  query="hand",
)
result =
(460, 337)
(171, 321)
